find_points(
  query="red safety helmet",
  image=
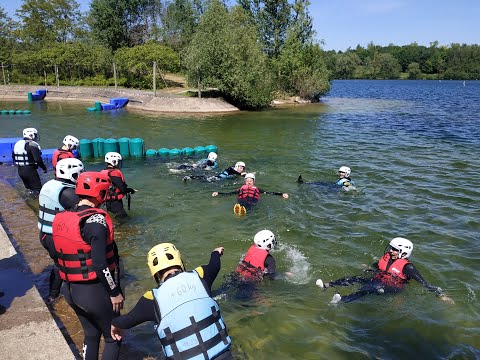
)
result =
(93, 184)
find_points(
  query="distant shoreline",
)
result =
(164, 102)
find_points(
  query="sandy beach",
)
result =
(165, 101)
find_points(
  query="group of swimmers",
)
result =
(79, 237)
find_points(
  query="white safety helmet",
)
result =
(346, 170)
(250, 176)
(404, 246)
(30, 133)
(265, 239)
(69, 169)
(71, 142)
(113, 158)
(238, 164)
(212, 156)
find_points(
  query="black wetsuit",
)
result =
(228, 173)
(91, 299)
(144, 310)
(28, 173)
(116, 205)
(68, 199)
(374, 285)
(250, 201)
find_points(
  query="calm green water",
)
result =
(412, 147)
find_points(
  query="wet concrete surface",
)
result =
(29, 329)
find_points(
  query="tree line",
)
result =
(456, 61)
(249, 51)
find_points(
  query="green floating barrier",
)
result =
(123, 144)
(4, 112)
(199, 149)
(15, 112)
(211, 148)
(98, 147)
(12, 112)
(85, 148)
(29, 96)
(111, 145)
(187, 151)
(26, 112)
(91, 109)
(137, 147)
(163, 152)
(174, 152)
(151, 152)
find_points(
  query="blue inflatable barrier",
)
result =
(115, 103)
(47, 155)
(6, 149)
(151, 152)
(211, 148)
(163, 152)
(37, 95)
(174, 152)
(187, 151)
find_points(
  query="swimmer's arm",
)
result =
(143, 311)
(209, 272)
(285, 195)
(411, 272)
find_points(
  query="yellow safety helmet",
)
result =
(164, 256)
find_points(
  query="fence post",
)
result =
(3, 72)
(45, 76)
(56, 75)
(115, 74)
(155, 79)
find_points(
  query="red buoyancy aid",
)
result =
(249, 193)
(60, 154)
(392, 276)
(114, 192)
(253, 264)
(73, 253)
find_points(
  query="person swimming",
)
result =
(343, 181)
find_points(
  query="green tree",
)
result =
(47, 21)
(224, 53)
(345, 65)
(7, 37)
(414, 71)
(120, 23)
(272, 19)
(179, 21)
(135, 64)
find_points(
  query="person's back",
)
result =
(258, 262)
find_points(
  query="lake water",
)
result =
(412, 147)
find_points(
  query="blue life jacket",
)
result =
(190, 323)
(49, 203)
(344, 182)
(20, 155)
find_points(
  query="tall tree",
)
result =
(272, 18)
(119, 23)
(7, 39)
(225, 54)
(48, 21)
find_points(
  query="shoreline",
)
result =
(164, 102)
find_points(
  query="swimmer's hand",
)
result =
(219, 250)
(215, 193)
(285, 196)
(447, 299)
(116, 333)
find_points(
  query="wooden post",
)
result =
(155, 79)
(115, 74)
(56, 75)
(3, 72)
(45, 76)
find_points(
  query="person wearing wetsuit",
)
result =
(27, 155)
(248, 195)
(119, 187)
(70, 143)
(181, 306)
(344, 181)
(208, 163)
(57, 195)
(393, 272)
(228, 173)
(87, 257)
(258, 262)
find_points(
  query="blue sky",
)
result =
(347, 23)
